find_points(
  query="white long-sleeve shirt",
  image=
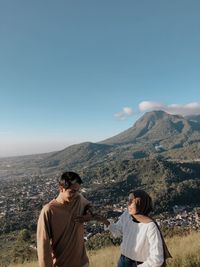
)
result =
(140, 241)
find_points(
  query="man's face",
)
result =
(70, 193)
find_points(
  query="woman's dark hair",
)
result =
(69, 178)
(143, 202)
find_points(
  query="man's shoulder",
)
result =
(82, 198)
(84, 203)
(48, 206)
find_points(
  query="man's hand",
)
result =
(84, 218)
(91, 217)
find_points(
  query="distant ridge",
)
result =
(160, 128)
(156, 132)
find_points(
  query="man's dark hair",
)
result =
(69, 178)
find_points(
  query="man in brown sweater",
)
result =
(60, 238)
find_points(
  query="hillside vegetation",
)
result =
(178, 181)
(106, 184)
(184, 249)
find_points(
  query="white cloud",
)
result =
(126, 112)
(184, 109)
(148, 105)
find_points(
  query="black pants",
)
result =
(126, 262)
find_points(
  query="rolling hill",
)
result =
(156, 133)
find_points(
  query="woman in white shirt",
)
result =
(142, 243)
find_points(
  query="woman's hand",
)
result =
(101, 219)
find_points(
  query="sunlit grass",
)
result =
(27, 264)
(185, 251)
(106, 257)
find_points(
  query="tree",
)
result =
(24, 235)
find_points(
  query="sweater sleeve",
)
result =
(85, 205)
(44, 240)
(116, 228)
(156, 257)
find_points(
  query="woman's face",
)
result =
(132, 204)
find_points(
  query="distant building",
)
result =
(177, 209)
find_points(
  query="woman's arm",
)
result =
(115, 228)
(156, 257)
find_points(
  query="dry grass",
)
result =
(185, 251)
(27, 264)
(105, 257)
(101, 258)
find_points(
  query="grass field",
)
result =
(185, 251)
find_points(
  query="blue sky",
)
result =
(74, 71)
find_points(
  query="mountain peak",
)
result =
(152, 116)
(158, 114)
(157, 127)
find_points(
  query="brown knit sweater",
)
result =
(60, 240)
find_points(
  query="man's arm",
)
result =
(43, 240)
(89, 213)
